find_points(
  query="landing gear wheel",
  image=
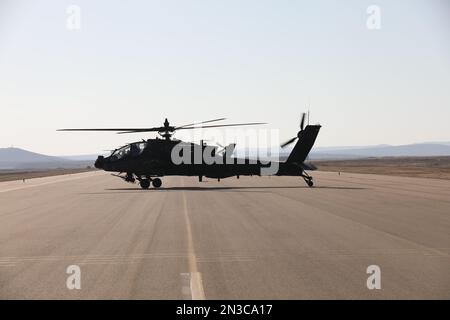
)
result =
(145, 183)
(157, 182)
(310, 183)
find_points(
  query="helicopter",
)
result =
(146, 161)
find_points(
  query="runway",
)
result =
(252, 238)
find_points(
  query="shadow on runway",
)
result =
(224, 189)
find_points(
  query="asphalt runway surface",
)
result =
(252, 238)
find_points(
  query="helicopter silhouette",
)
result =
(146, 161)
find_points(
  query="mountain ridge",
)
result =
(17, 158)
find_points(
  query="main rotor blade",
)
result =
(302, 122)
(137, 131)
(158, 129)
(197, 123)
(162, 129)
(226, 125)
(288, 142)
(113, 129)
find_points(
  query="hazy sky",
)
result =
(133, 63)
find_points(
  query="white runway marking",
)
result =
(126, 259)
(37, 182)
(196, 285)
(192, 286)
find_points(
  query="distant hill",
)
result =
(410, 150)
(20, 155)
(18, 159)
(83, 157)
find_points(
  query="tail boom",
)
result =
(306, 140)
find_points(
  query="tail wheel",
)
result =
(145, 183)
(308, 180)
(157, 182)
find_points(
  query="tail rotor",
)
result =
(302, 127)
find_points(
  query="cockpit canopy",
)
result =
(132, 149)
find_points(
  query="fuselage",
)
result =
(155, 158)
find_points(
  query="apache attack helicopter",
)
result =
(148, 160)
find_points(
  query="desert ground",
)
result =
(423, 167)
